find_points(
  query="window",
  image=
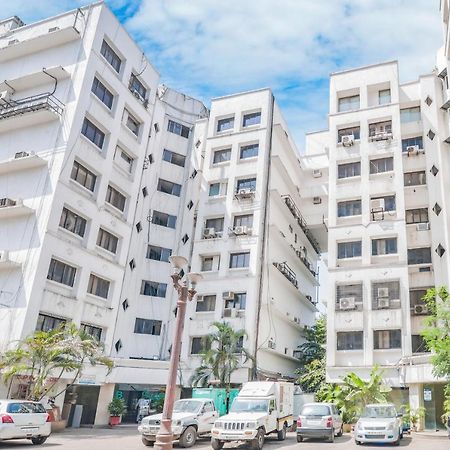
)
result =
(416, 298)
(132, 123)
(348, 131)
(415, 178)
(107, 240)
(418, 344)
(98, 286)
(381, 165)
(238, 260)
(111, 56)
(61, 272)
(115, 198)
(174, 158)
(349, 170)
(251, 119)
(386, 295)
(177, 128)
(163, 219)
(124, 159)
(249, 151)
(419, 255)
(248, 183)
(389, 204)
(92, 331)
(214, 189)
(168, 187)
(387, 339)
(419, 215)
(349, 291)
(206, 303)
(348, 103)
(93, 133)
(380, 130)
(225, 124)
(410, 114)
(102, 93)
(246, 220)
(222, 156)
(83, 176)
(207, 263)
(153, 289)
(136, 87)
(147, 326)
(216, 223)
(48, 323)
(349, 208)
(384, 97)
(158, 253)
(349, 249)
(418, 140)
(72, 222)
(239, 301)
(200, 345)
(350, 340)
(386, 246)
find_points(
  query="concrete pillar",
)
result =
(416, 400)
(104, 398)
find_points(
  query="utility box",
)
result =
(218, 396)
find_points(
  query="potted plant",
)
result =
(413, 416)
(116, 409)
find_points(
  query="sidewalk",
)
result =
(431, 434)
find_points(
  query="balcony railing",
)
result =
(301, 221)
(13, 108)
(287, 272)
(305, 261)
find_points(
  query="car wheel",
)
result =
(38, 440)
(397, 442)
(258, 442)
(189, 437)
(299, 438)
(341, 431)
(281, 434)
(147, 443)
(401, 434)
(216, 444)
(357, 442)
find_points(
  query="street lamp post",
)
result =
(164, 438)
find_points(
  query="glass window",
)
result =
(95, 332)
(251, 119)
(48, 323)
(248, 183)
(136, 87)
(352, 291)
(380, 130)
(225, 124)
(239, 301)
(349, 249)
(147, 326)
(384, 96)
(214, 189)
(387, 339)
(115, 198)
(93, 133)
(384, 246)
(72, 222)
(349, 170)
(416, 297)
(349, 131)
(158, 253)
(349, 208)
(386, 295)
(239, 260)
(98, 286)
(107, 240)
(348, 103)
(249, 151)
(418, 344)
(245, 220)
(153, 288)
(419, 255)
(132, 123)
(111, 56)
(389, 203)
(163, 219)
(222, 156)
(124, 159)
(419, 215)
(168, 187)
(415, 178)
(200, 345)
(207, 263)
(206, 303)
(350, 340)
(178, 128)
(418, 140)
(381, 165)
(83, 176)
(102, 93)
(61, 272)
(410, 114)
(174, 158)
(216, 223)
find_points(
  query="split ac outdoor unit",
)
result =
(317, 173)
(245, 193)
(383, 303)
(346, 303)
(19, 155)
(412, 150)
(241, 230)
(209, 233)
(348, 140)
(383, 292)
(423, 226)
(420, 309)
(317, 200)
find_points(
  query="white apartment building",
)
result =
(388, 233)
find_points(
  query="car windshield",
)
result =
(249, 405)
(316, 410)
(24, 408)
(189, 406)
(379, 412)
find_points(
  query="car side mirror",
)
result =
(399, 415)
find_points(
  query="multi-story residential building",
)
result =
(388, 236)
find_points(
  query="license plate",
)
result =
(232, 436)
(29, 429)
(314, 422)
(374, 436)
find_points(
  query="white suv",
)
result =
(21, 419)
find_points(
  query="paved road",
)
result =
(127, 438)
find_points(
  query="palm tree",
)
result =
(224, 355)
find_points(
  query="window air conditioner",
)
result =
(420, 309)
(317, 200)
(346, 303)
(412, 150)
(383, 303)
(383, 292)
(317, 173)
(209, 233)
(348, 140)
(228, 295)
(423, 226)
(377, 204)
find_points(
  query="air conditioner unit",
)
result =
(346, 303)
(412, 150)
(317, 200)
(245, 193)
(241, 230)
(240, 313)
(377, 204)
(5, 202)
(271, 344)
(316, 173)
(228, 312)
(228, 295)
(423, 226)
(19, 155)
(348, 140)
(209, 233)
(383, 303)
(383, 292)
(420, 309)
(4, 97)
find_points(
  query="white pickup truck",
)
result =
(191, 417)
(260, 408)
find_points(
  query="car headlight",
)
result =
(218, 425)
(390, 426)
(359, 426)
(250, 425)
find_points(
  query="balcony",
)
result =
(287, 272)
(32, 111)
(21, 161)
(302, 257)
(13, 208)
(6, 263)
(301, 222)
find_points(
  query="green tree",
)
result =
(51, 355)
(224, 356)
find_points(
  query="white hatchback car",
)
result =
(21, 419)
(379, 423)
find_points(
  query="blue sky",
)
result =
(209, 48)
